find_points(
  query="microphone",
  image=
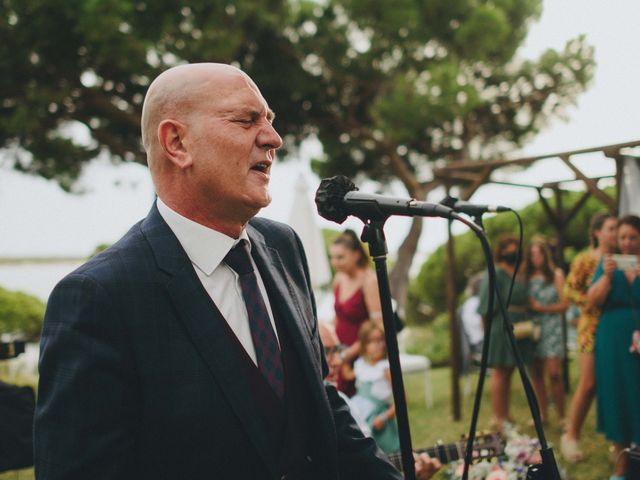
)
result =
(337, 198)
(472, 208)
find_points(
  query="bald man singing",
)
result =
(190, 348)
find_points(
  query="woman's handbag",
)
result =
(526, 329)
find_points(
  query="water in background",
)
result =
(36, 278)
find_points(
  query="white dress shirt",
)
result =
(206, 248)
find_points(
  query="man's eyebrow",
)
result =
(271, 115)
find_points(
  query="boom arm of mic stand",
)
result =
(373, 234)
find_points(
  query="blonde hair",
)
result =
(366, 329)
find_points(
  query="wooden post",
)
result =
(454, 340)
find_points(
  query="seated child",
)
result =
(374, 397)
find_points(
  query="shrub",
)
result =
(21, 313)
(431, 340)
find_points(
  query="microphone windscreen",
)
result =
(330, 197)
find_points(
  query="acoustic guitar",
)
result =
(485, 446)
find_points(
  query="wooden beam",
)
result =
(591, 185)
(576, 208)
(571, 180)
(608, 150)
(481, 178)
(547, 208)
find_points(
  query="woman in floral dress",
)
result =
(546, 301)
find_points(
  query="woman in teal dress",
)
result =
(546, 286)
(617, 368)
(501, 356)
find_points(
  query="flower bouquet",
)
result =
(520, 451)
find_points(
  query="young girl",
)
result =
(374, 397)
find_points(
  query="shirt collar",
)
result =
(205, 247)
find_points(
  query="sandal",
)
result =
(570, 449)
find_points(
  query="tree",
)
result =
(389, 88)
(428, 289)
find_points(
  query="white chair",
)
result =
(416, 364)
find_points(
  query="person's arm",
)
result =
(86, 417)
(601, 286)
(558, 307)
(347, 372)
(351, 352)
(381, 420)
(579, 280)
(372, 296)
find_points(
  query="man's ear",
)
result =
(171, 137)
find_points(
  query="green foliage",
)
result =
(432, 342)
(20, 313)
(99, 248)
(429, 287)
(86, 64)
(386, 86)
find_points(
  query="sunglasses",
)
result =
(336, 349)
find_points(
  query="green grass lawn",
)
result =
(430, 425)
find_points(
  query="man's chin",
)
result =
(263, 202)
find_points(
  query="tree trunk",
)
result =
(399, 276)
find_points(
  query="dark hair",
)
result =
(503, 242)
(350, 240)
(631, 220)
(597, 222)
(548, 267)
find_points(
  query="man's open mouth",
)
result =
(261, 167)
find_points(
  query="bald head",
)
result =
(177, 92)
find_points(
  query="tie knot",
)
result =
(238, 258)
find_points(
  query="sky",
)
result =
(38, 219)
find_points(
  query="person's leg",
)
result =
(554, 367)
(500, 381)
(537, 380)
(621, 457)
(583, 396)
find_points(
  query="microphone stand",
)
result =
(548, 469)
(373, 234)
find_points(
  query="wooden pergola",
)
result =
(469, 176)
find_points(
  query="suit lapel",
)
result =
(202, 320)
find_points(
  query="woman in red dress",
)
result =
(355, 289)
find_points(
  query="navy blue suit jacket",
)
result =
(136, 377)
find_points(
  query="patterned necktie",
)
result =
(262, 334)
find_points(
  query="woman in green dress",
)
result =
(616, 289)
(501, 356)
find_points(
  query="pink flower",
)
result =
(497, 475)
(534, 458)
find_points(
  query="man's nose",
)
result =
(268, 137)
